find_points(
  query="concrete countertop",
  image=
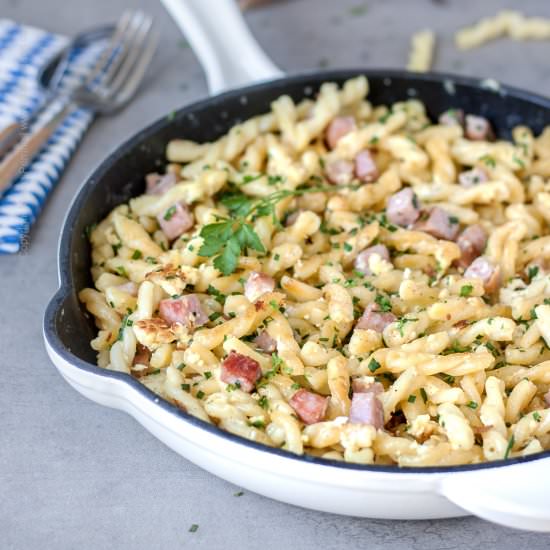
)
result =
(76, 475)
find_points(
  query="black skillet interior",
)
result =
(121, 175)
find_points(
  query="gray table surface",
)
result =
(77, 475)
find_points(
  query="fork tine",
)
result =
(107, 54)
(136, 46)
(132, 83)
(123, 46)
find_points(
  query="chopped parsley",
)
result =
(537, 416)
(186, 387)
(466, 290)
(200, 394)
(216, 294)
(238, 494)
(511, 442)
(373, 365)
(532, 272)
(126, 322)
(194, 528)
(383, 302)
(121, 270)
(263, 402)
(357, 11)
(402, 322)
(169, 214)
(207, 374)
(88, 230)
(257, 424)
(424, 395)
(488, 160)
(137, 255)
(472, 405)
(348, 247)
(412, 398)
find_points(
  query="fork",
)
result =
(110, 84)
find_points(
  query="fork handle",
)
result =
(15, 164)
(9, 136)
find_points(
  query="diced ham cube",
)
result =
(240, 370)
(478, 128)
(361, 262)
(452, 117)
(440, 225)
(374, 319)
(142, 356)
(310, 407)
(130, 288)
(176, 220)
(158, 184)
(291, 218)
(265, 342)
(258, 284)
(471, 242)
(366, 408)
(338, 128)
(482, 268)
(185, 310)
(403, 208)
(339, 172)
(365, 167)
(472, 177)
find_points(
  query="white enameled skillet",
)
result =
(515, 492)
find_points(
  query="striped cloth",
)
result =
(23, 51)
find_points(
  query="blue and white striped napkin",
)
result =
(23, 51)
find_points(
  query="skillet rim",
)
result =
(66, 287)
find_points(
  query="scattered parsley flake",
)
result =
(358, 10)
(424, 395)
(532, 272)
(169, 214)
(194, 528)
(472, 405)
(488, 160)
(466, 290)
(412, 398)
(263, 402)
(383, 302)
(511, 442)
(373, 365)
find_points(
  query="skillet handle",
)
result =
(515, 496)
(227, 50)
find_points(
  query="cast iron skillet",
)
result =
(68, 329)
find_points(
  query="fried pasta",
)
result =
(342, 279)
